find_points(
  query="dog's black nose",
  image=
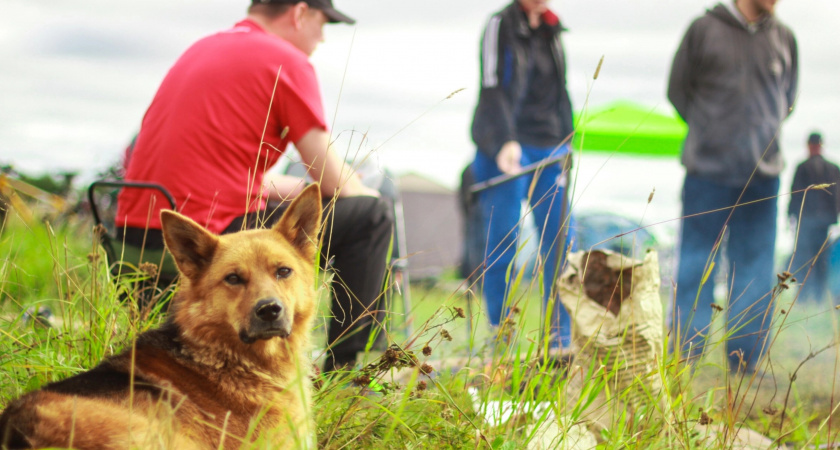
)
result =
(269, 310)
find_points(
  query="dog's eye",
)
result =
(233, 279)
(282, 272)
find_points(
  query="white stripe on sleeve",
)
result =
(490, 53)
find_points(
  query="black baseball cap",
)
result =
(815, 139)
(333, 15)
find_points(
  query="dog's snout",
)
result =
(269, 310)
(269, 318)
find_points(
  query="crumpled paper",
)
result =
(624, 349)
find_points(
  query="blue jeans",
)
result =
(501, 208)
(812, 235)
(749, 247)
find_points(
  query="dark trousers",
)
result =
(810, 256)
(749, 248)
(356, 238)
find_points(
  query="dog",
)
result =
(229, 366)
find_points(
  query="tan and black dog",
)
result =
(229, 366)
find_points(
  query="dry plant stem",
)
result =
(661, 222)
(792, 377)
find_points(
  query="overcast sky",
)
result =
(78, 75)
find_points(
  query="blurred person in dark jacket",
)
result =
(815, 211)
(523, 116)
(733, 80)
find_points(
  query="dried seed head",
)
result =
(149, 269)
(427, 350)
(99, 231)
(453, 93)
(391, 357)
(445, 334)
(426, 369)
(421, 385)
(459, 312)
(362, 380)
(598, 68)
(705, 419)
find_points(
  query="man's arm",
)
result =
(496, 72)
(793, 80)
(796, 199)
(336, 177)
(679, 83)
(281, 187)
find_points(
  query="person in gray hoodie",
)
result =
(733, 80)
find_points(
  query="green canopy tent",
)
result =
(629, 128)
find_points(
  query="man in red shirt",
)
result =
(223, 116)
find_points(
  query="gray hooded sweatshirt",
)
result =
(734, 83)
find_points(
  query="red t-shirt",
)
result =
(200, 137)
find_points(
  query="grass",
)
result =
(445, 384)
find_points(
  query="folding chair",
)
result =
(384, 182)
(125, 259)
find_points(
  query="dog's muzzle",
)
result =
(269, 318)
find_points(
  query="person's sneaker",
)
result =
(497, 344)
(562, 357)
(41, 316)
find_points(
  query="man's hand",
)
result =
(792, 223)
(508, 159)
(282, 187)
(368, 192)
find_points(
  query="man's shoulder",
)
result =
(256, 43)
(507, 16)
(712, 17)
(783, 29)
(833, 166)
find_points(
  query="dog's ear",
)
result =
(301, 222)
(190, 244)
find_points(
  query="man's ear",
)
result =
(299, 10)
(190, 244)
(301, 222)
